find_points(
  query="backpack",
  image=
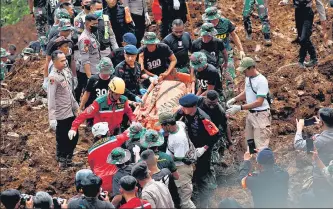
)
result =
(269, 97)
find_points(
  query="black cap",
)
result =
(128, 183)
(10, 198)
(140, 170)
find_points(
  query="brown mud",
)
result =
(28, 158)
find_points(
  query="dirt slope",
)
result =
(27, 160)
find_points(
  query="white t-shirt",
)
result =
(178, 143)
(259, 85)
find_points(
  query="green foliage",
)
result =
(12, 11)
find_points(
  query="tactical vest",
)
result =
(104, 108)
(103, 33)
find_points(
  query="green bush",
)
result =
(13, 10)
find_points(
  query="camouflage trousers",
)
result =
(262, 12)
(40, 21)
(218, 148)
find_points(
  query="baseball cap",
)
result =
(198, 60)
(207, 29)
(130, 38)
(266, 157)
(211, 13)
(246, 62)
(165, 117)
(131, 50)
(128, 183)
(118, 156)
(105, 66)
(140, 170)
(150, 38)
(65, 24)
(151, 138)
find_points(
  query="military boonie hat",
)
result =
(198, 60)
(28, 51)
(150, 38)
(136, 130)
(61, 13)
(105, 66)
(118, 156)
(4, 53)
(65, 24)
(207, 29)
(151, 138)
(245, 63)
(211, 13)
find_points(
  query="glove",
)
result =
(231, 102)
(176, 4)
(143, 91)
(148, 21)
(45, 83)
(53, 124)
(233, 109)
(138, 99)
(200, 151)
(136, 149)
(71, 134)
(241, 55)
(153, 79)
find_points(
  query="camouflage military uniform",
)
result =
(3, 67)
(263, 16)
(224, 28)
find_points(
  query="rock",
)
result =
(13, 134)
(258, 48)
(300, 93)
(19, 96)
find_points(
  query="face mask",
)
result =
(93, 28)
(87, 7)
(99, 13)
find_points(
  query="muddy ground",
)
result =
(28, 157)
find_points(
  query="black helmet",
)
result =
(79, 176)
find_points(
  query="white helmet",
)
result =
(100, 129)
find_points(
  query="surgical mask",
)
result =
(87, 7)
(93, 28)
(99, 13)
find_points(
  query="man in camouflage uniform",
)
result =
(225, 29)
(263, 16)
(89, 49)
(3, 68)
(59, 14)
(80, 18)
(38, 9)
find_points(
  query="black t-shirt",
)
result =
(216, 114)
(209, 76)
(39, 3)
(97, 87)
(157, 61)
(116, 178)
(163, 176)
(180, 47)
(117, 56)
(131, 76)
(212, 49)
